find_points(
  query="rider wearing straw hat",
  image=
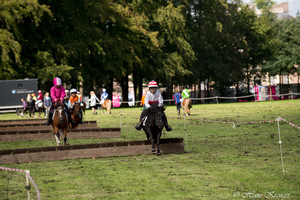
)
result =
(152, 96)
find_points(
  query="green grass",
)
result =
(220, 161)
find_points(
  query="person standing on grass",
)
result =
(177, 100)
(24, 107)
(143, 101)
(47, 104)
(31, 105)
(93, 101)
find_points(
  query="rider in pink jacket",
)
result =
(58, 94)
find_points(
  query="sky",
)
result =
(294, 5)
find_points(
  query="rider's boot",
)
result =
(168, 128)
(139, 126)
(142, 118)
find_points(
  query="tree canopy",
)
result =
(174, 42)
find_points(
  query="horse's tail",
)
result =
(190, 103)
(108, 106)
(187, 105)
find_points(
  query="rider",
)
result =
(79, 95)
(185, 93)
(39, 98)
(104, 96)
(58, 94)
(72, 100)
(152, 96)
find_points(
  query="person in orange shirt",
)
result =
(143, 101)
(72, 100)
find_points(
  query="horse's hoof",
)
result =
(159, 154)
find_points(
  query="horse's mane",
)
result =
(154, 107)
(58, 104)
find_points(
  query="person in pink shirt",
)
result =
(58, 94)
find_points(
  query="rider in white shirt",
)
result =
(152, 96)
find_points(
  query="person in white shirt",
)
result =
(152, 96)
(93, 101)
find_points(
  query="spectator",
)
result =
(177, 99)
(93, 100)
(47, 104)
(143, 101)
(24, 107)
(31, 105)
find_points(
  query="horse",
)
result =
(60, 122)
(154, 125)
(83, 107)
(106, 105)
(186, 106)
(39, 107)
(75, 116)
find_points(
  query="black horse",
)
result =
(154, 125)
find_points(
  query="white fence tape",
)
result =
(217, 97)
(27, 173)
(257, 122)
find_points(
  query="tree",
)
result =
(13, 14)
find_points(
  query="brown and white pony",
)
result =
(106, 105)
(83, 107)
(60, 122)
(186, 106)
(75, 116)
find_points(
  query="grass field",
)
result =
(220, 162)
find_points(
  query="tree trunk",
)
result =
(135, 85)
(110, 88)
(248, 81)
(169, 90)
(140, 84)
(124, 87)
(298, 89)
(199, 88)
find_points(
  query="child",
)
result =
(93, 101)
(152, 96)
(24, 107)
(177, 98)
(72, 100)
(58, 94)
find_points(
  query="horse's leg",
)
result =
(56, 132)
(152, 142)
(65, 138)
(158, 143)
